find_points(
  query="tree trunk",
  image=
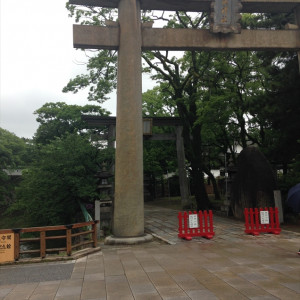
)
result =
(201, 196)
(215, 185)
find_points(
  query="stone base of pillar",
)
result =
(112, 240)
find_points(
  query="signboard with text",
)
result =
(225, 16)
(264, 217)
(7, 241)
(193, 221)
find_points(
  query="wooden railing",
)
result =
(72, 239)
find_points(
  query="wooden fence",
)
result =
(70, 233)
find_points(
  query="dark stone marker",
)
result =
(254, 182)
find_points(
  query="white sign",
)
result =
(193, 221)
(264, 217)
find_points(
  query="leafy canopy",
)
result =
(63, 173)
(58, 119)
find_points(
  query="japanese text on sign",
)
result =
(264, 217)
(225, 12)
(193, 221)
(6, 247)
(225, 16)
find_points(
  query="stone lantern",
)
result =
(103, 206)
(104, 187)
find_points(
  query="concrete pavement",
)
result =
(232, 265)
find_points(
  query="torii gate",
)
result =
(129, 36)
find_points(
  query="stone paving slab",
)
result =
(231, 266)
(17, 274)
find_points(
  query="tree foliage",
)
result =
(281, 111)
(58, 119)
(101, 78)
(223, 98)
(13, 150)
(102, 65)
(63, 167)
(62, 173)
(15, 153)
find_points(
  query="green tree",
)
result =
(63, 165)
(277, 110)
(58, 119)
(159, 155)
(62, 174)
(14, 154)
(213, 93)
(156, 103)
(13, 150)
(102, 65)
(281, 111)
(187, 82)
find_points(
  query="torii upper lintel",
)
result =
(249, 6)
(98, 37)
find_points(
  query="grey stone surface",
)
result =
(259, 6)
(128, 217)
(112, 240)
(35, 272)
(263, 267)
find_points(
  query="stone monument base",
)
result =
(112, 240)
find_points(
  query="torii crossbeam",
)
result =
(130, 37)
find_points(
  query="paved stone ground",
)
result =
(230, 266)
(15, 274)
(163, 222)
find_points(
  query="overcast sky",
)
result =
(37, 61)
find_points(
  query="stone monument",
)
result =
(254, 182)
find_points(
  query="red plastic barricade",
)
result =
(195, 224)
(262, 220)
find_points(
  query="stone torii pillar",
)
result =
(130, 38)
(128, 220)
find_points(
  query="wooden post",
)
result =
(43, 244)
(69, 239)
(17, 243)
(94, 234)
